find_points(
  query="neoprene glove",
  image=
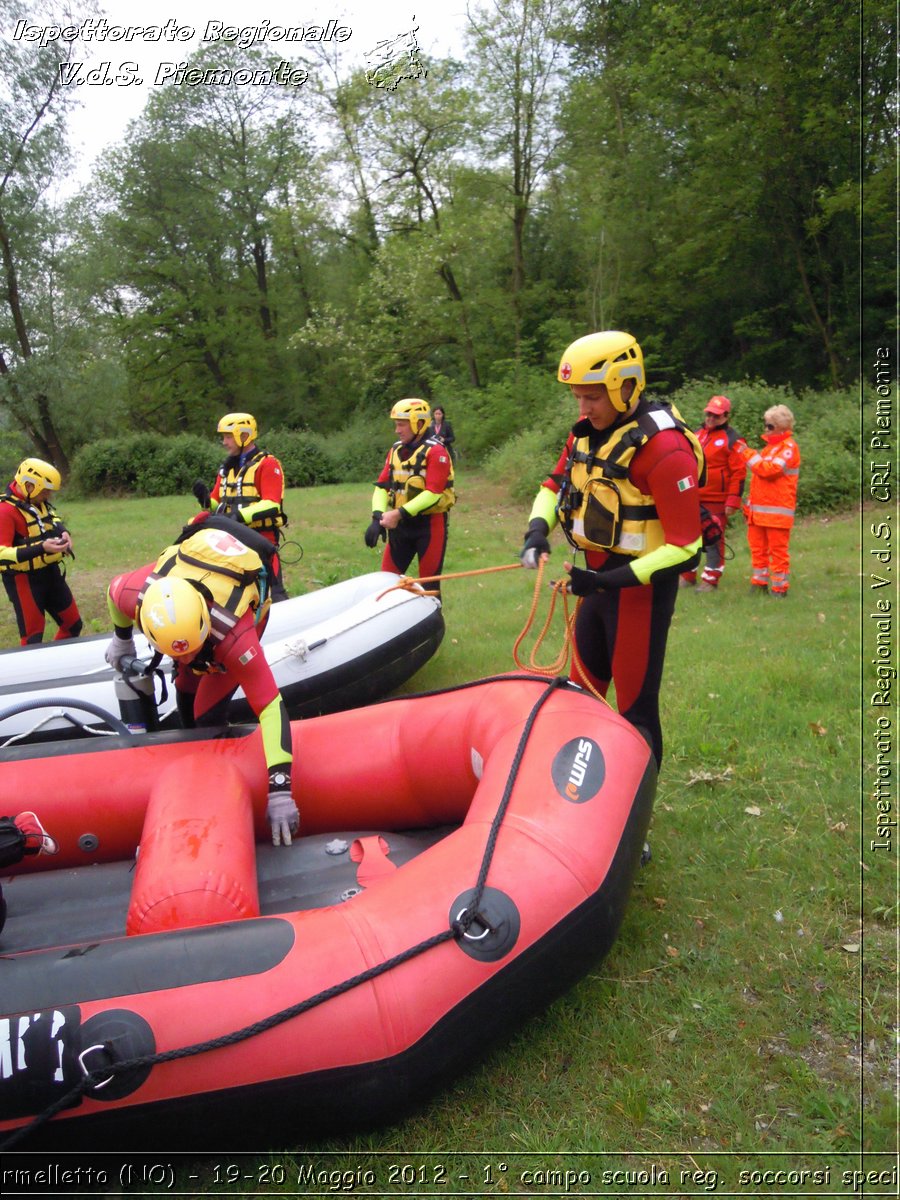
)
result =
(201, 493)
(375, 531)
(283, 815)
(583, 582)
(535, 543)
(118, 649)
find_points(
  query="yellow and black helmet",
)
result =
(417, 412)
(610, 357)
(34, 476)
(241, 426)
(174, 617)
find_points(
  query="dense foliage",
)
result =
(716, 179)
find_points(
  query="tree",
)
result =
(517, 60)
(33, 103)
(202, 203)
(716, 152)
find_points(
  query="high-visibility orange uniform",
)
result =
(774, 472)
(725, 474)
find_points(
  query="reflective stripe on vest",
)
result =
(771, 509)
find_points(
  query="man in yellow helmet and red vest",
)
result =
(625, 491)
(249, 487)
(205, 604)
(33, 543)
(413, 495)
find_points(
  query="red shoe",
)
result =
(37, 839)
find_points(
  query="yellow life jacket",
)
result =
(238, 490)
(225, 572)
(41, 522)
(599, 507)
(408, 478)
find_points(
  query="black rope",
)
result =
(456, 930)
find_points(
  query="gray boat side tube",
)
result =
(67, 702)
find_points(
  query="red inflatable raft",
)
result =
(465, 856)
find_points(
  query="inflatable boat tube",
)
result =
(464, 857)
(343, 646)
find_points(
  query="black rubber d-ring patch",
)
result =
(112, 1037)
(493, 930)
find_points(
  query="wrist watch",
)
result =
(278, 781)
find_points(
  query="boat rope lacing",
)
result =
(559, 587)
(298, 647)
(457, 929)
(116, 727)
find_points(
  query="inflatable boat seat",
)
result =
(196, 862)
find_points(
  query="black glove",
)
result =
(535, 543)
(583, 583)
(201, 493)
(375, 531)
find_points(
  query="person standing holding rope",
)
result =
(413, 495)
(625, 491)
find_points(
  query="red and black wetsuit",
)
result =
(622, 629)
(34, 582)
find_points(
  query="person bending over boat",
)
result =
(249, 487)
(625, 490)
(33, 543)
(412, 495)
(205, 603)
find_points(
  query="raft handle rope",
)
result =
(458, 929)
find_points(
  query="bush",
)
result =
(826, 425)
(144, 465)
(153, 465)
(306, 458)
(526, 459)
(484, 419)
(360, 447)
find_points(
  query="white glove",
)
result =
(118, 649)
(284, 817)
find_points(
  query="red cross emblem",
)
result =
(565, 372)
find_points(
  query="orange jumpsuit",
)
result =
(774, 471)
(725, 474)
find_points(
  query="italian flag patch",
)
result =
(247, 656)
(685, 485)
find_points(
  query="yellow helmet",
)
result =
(241, 426)
(34, 475)
(610, 357)
(415, 411)
(174, 616)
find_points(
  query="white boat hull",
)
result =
(340, 647)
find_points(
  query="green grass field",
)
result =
(746, 1018)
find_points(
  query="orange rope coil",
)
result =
(558, 587)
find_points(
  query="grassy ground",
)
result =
(746, 1018)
